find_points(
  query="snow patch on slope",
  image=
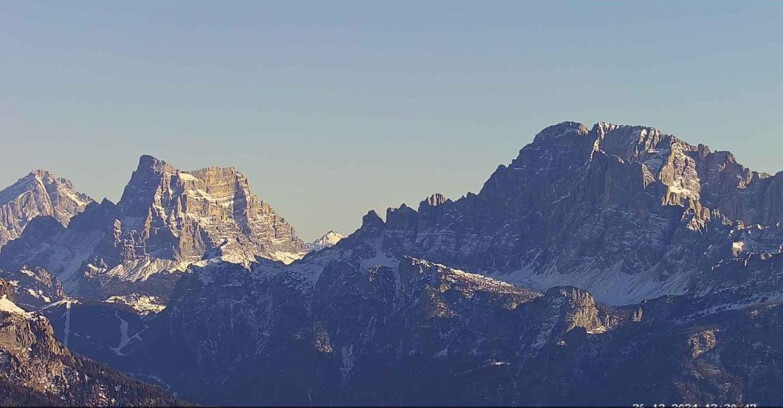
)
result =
(287, 257)
(142, 304)
(611, 285)
(124, 338)
(328, 240)
(67, 331)
(6, 305)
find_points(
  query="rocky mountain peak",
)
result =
(578, 308)
(40, 174)
(327, 240)
(201, 211)
(434, 201)
(602, 128)
(214, 201)
(166, 220)
(554, 132)
(148, 163)
(155, 181)
(42, 182)
(401, 218)
(561, 212)
(150, 176)
(687, 173)
(39, 193)
(372, 220)
(637, 143)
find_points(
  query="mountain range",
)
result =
(166, 220)
(610, 265)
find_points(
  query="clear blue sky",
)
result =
(332, 109)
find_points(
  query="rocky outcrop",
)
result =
(34, 288)
(198, 211)
(39, 193)
(6, 289)
(166, 220)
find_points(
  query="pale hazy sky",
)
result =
(332, 109)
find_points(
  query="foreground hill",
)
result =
(38, 370)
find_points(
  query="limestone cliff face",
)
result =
(198, 211)
(39, 193)
(760, 202)
(627, 212)
(166, 220)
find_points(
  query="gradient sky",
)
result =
(332, 109)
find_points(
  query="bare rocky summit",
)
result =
(39, 193)
(166, 220)
(327, 240)
(626, 212)
(200, 210)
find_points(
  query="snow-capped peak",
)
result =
(39, 193)
(329, 239)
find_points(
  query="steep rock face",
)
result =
(39, 370)
(626, 212)
(166, 220)
(39, 193)
(760, 202)
(6, 289)
(211, 208)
